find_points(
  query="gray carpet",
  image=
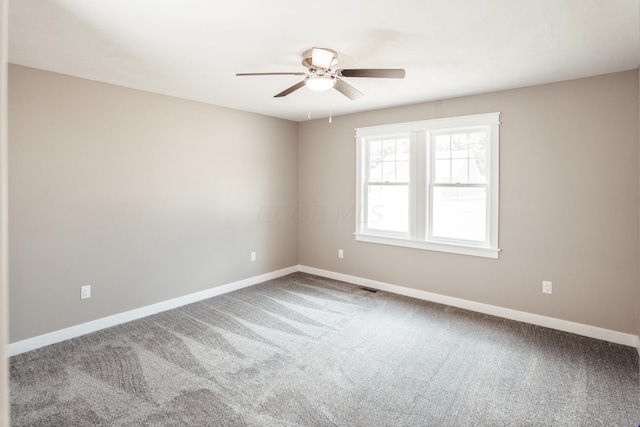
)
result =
(307, 351)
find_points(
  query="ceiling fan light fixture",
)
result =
(321, 76)
(320, 83)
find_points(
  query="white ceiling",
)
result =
(193, 48)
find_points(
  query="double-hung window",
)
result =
(388, 185)
(430, 185)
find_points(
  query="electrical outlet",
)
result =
(85, 292)
(547, 287)
(253, 256)
(340, 253)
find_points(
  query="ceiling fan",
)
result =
(321, 75)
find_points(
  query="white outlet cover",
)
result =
(85, 292)
(547, 287)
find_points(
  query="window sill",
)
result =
(430, 246)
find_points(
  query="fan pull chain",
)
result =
(309, 115)
(330, 118)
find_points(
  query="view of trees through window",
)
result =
(461, 158)
(458, 209)
(388, 190)
(430, 184)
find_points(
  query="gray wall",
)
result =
(148, 198)
(142, 196)
(568, 203)
(4, 380)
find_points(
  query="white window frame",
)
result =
(421, 184)
(367, 182)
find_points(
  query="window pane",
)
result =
(443, 146)
(375, 159)
(459, 146)
(389, 150)
(478, 157)
(402, 171)
(402, 149)
(477, 144)
(478, 171)
(443, 171)
(375, 173)
(389, 160)
(388, 208)
(467, 157)
(460, 171)
(459, 213)
(388, 171)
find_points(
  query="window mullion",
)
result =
(493, 179)
(430, 156)
(365, 189)
(419, 179)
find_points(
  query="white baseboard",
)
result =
(521, 316)
(96, 325)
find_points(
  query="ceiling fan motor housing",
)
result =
(307, 58)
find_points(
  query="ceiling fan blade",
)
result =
(272, 74)
(347, 90)
(322, 58)
(289, 90)
(395, 73)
